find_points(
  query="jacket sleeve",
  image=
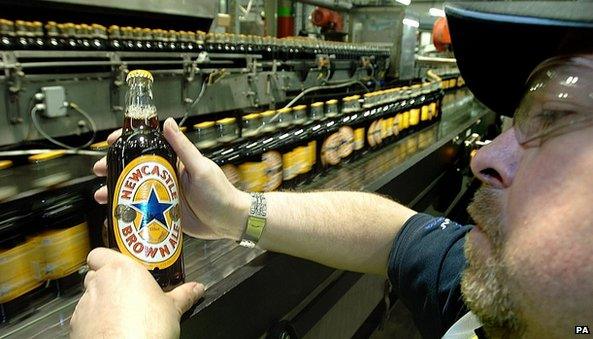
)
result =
(425, 266)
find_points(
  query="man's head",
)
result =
(530, 260)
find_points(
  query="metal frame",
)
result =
(95, 81)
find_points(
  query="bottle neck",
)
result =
(140, 111)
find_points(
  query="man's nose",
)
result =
(496, 163)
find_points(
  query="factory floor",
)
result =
(399, 325)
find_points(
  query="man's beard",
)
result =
(484, 283)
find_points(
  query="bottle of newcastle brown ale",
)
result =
(144, 218)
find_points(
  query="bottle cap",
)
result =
(317, 104)
(299, 108)
(99, 146)
(139, 73)
(46, 156)
(5, 164)
(268, 113)
(226, 121)
(332, 102)
(251, 116)
(205, 124)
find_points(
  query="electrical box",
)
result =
(54, 98)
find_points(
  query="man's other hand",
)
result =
(122, 300)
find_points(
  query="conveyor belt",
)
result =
(210, 262)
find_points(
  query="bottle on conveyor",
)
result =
(269, 122)
(49, 169)
(317, 113)
(251, 126)
(21, 283)
(228, 131)
(98, 37)
(21, 41)
(64, 239)
(228, 159)
(204, 137)
(192, 45)
(253, 169)
(38, 35)
(358, 124)
(85, 36)
(115, 38)
(284, 118)
(159, 40)
(201, 41)
(299, 115)
(137, 39)
(7, 35)
(148, 39)
(127, 37)
(328, 145)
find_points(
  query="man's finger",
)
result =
(101, 195)
(100, 167)
(186, 295)
(90, 275)
(102, 256)
(113, 136)
(185, 149)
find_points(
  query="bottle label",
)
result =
(359, 138)
(397, 120)
(389, 126)
(288, 166)
(312, 156)
(414, 116)
(347, 141)
(146, 214)
(64, 250)
(232, 174)
(405, 120)
(433, 110)
(300, 161)
(330, 148)
(371, 133)
(253, 176)
(424, 113)
(273, 162)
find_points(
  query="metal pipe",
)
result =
(336, 5)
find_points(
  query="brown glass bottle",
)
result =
(143, 206)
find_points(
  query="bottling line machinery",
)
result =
(63, 92)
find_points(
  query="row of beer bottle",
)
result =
(30, 35)
(42, 249)
(293, 147)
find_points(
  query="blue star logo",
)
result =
(152, 210)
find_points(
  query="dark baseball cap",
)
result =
(498, 44)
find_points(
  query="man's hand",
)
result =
(122, 300)
(212, 208)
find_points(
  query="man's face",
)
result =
(530, 258)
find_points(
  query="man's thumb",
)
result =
(185, 149)
(186, 295)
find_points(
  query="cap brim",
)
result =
(498, 44)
